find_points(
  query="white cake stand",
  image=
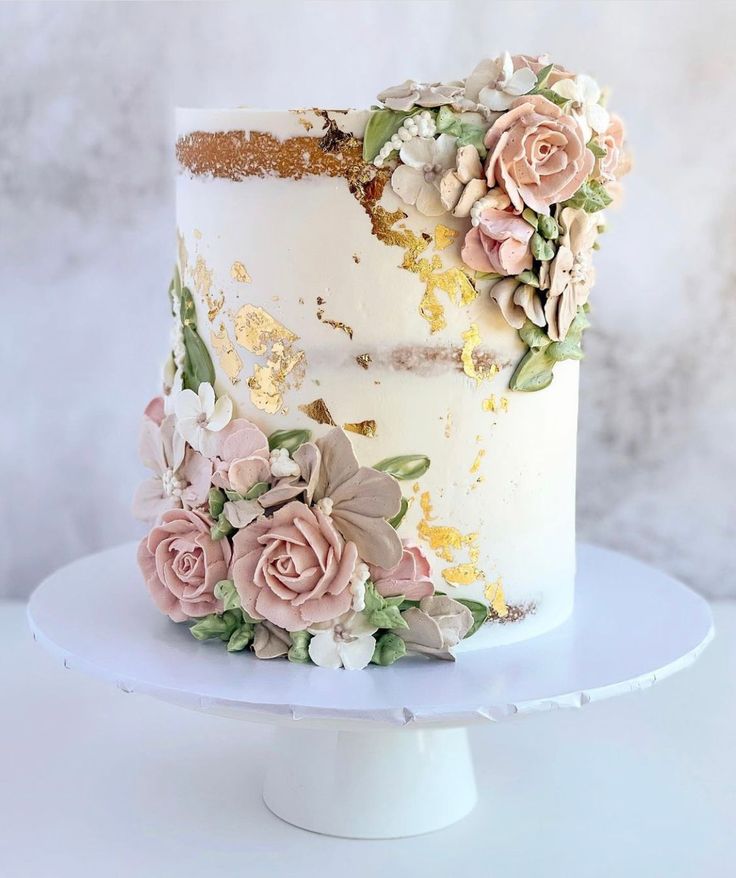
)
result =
(384, 752)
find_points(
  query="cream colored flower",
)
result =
(347, 642)
(568, 278)
(584, 95)
(496, 84)
(462, 188)
(199, 417)
(417, 179)
(418, 94)
(518, 302)
(435, 626)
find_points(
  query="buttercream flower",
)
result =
(462, 187)
(537, 154)
(241, 455)
(569, 277)
(418, 94)
(614, 163)
(200, 417)
(412, 576)
(173, 382)
(435, 626)
(499, 243)
(181, 476)
(497, 82)
(346, 642)
(182, 564)
(270, 641)
(584, 94)
(362, 498)
(538, 63)
(293, 569)
(417, 179)
(518, 302)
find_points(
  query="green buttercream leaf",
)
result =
(395, 522)
(528, 277)
(389, 648)
(534, 336)
(216, 625)
(542, 78)
(381, 127)
(233, 496)
(388, 617)
(221, 528)
(241, 637)
(288, 439)
(299, 649)
(570, 348)
(531, 217)
(226, 592)
(598, 151)
(405, 466)
(466, 133)
(486, 275)
(373, 600)
(187, 311)
(198, 368)
(552, 96)
(256, 491)
(541, 248)
(591, 197)
(216, 502)
(534, 372)
(479, 611)
(548, 228)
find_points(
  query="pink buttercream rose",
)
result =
(614, 163)
(500, 243)
(293, 569)
(242, 457)
(537, 154)
(182, 565)
(536, 65)
(410, 577)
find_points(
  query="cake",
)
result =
(365, 447)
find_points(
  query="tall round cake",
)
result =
(366, 443)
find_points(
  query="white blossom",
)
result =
(199, 416)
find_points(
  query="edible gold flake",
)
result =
(268, 383)
(364, 360)
(477, 462)
(197, 234)
(183, 255)
(255, 329)
(443, 236)
(230, 361)
(464, 574)
(202, 276)
(445, 540)
(240, 273)
(336, 324)
(448, 425)
(492, 404)
(317, 410)
(494, 595)
(356, 259)
(363, 428)
(471, 340)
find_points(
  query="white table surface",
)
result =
(95, 782)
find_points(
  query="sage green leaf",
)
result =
(531, 217)
(542, 78)
(288, 439)
(241, 637)
(299, 649)
(187, 310)
(226, 592)
(381, 127)
(479, 611)
(373, 600)
(542, 249)
(466, 133)
(405, 605)
(221, 528)
(598, 151)
(534, 336)
(198, 368)
(570, 348)
(256, 491)
(405, 466)
(215, 625)
(534, 372)
(591, 197)
(233, 496)
(389, 648)
(395, 522)
(552, 96)
(548, 228)
(216, 502)
(388, 617)
(528, 277)
(486, 275)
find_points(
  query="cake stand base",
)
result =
(378, 784)
(379, 753)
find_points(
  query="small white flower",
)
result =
(496, 85)
(325, 505)
(173, 384)
(584, 95)
(420, 94)
(282, 466)
(424, 160)
(346, 642)
(357, 585)
(199, 417)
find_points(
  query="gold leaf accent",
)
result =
(336, 324)
(471, 340)
(477, 462)
(255, 329)
(445, 541)
(448, 424)
(364, 360)
(230, 361)
(364, 428)
(183, 255)
(240, 273)
(493, 405)
(495, 597)
(464, 574)
(444, 236)
(356, 259)
(317, 410)
(202, 276)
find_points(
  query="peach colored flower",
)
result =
(499, 243)
(537, 154)
(412, 576)
(182, 565)
(293, 569)
(614, 163)
(241, 457)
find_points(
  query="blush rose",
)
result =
(412, 576)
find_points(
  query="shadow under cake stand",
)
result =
(384, 752)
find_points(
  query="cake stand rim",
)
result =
(388, 717)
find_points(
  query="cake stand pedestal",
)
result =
(384, 752)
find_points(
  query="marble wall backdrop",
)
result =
(87, 243)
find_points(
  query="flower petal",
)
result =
(187, 405)
(221, 413)
(407, 183)
(445, 151)
(206, 395)
(418, 152)
(521, 82)
(428, 200)
(323, 650)
(356, 654)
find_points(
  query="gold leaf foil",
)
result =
(478, 460)
(364, 428)
(181, 245)
(443, 236)
(255, 329)
(445, 541)
(471, 340)
(363, 360)
(317, 410)
(230, 361)
(240, 273)
(495, 597)
(202, 276)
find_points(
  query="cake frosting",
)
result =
(367, 439)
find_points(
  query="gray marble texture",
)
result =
(87, 243)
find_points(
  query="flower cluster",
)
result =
(285, 544)
(525, 155)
